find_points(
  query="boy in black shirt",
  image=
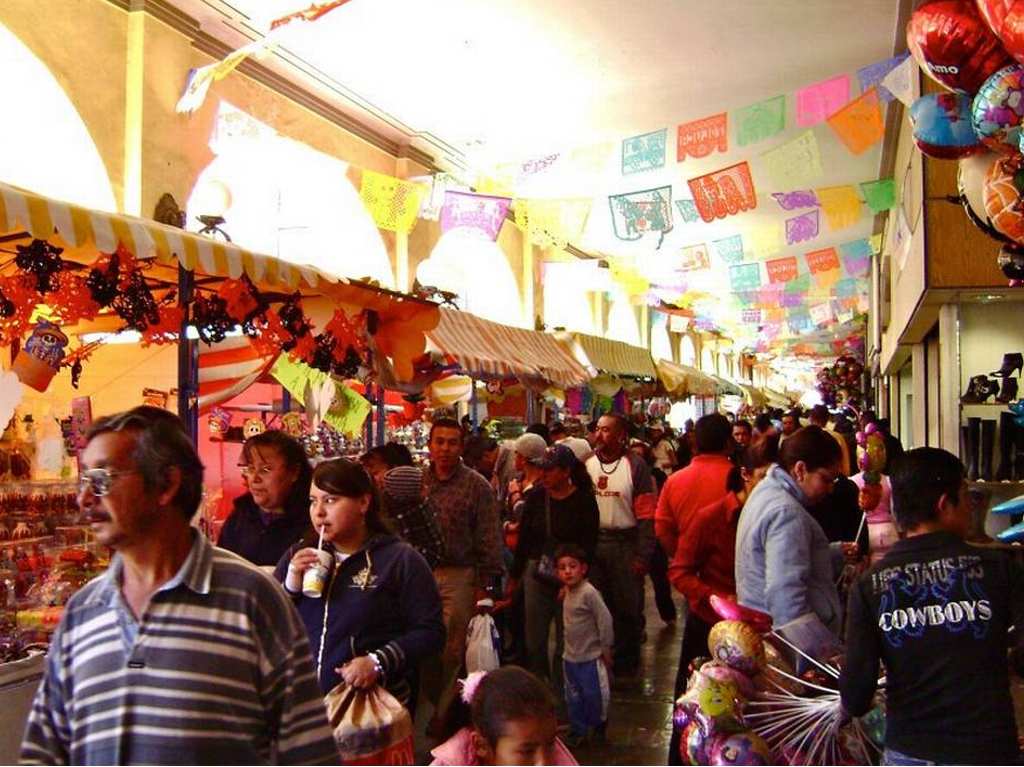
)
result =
(936, 611)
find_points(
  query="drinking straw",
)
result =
(320, 545)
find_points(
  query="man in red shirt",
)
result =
(700, 483)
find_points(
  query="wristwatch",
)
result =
(376, 665)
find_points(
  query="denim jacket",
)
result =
(785, 565)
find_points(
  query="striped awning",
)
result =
(753, 396)
(613, 357)
(685, 381)
(487, 349)
(228, 368)
(727, 387)
(85, 233)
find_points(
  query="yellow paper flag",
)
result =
(393, 203)
(841, 205)
(347, 410)
(767, 239)
(553, 223)
(794, 165)
(828, 279)
(876, 243)
(859, 124)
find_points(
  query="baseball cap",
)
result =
(530, 446)
(579, 446)
(556, 457)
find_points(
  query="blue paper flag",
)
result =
(873, 74)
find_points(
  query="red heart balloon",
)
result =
(954, 45)
(1006, 19)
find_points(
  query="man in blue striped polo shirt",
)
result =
(181, 653)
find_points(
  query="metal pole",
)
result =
(382, 415)
(188, 360)
(472, 404)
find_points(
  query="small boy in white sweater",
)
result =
(588, 647)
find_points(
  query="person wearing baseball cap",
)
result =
(563, 510)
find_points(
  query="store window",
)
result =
(56, 155)
(285, 199)
(477, 271)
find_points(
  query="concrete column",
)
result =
(949, 377)
(134, 94)
(919, 414)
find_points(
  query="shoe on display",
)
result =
(1012, 362)
(1007, 433)
(1008, 391)
(979, 389)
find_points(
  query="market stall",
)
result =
(125, 306)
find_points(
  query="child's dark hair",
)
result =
(571, 550)
(506, 695)
(348, 479)
(919, 479)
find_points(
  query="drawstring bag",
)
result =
(370, 726)
(482, 644)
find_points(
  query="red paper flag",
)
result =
(824, 260)
(702, 137)
(782, 269)
(724, 192)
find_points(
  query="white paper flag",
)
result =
(900, 81)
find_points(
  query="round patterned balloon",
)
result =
(998, 110)
(953, 44)
(725, 673)
(942, 126)
(693, 744)
(746, 748)
(1006, 19)
(1003, 198)
(738, 645)
(970, 183)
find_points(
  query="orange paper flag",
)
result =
(859, 124)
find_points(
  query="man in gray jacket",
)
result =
(785, 565)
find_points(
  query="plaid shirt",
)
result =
(467, 513)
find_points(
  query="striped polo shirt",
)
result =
(217, 671)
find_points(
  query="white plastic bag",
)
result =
(482, 644)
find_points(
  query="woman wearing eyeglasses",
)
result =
(274, 513)
(785, 565)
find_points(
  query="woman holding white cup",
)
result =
(369, 601)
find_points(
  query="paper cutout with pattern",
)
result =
(816, 102)
(729, 249)
(802, 198)
(750, 316)
(820, 314)
(802, 228)
(859, 124)
(857, 257)
(745, 276)
(553, 223)
(700, 138)
(724, 192)
(872, 75)
(694, 258)
(767, 239)
(900, 80)
(782, 269)
(800, 284)
(841, 205)
(795, 164)
(474, 211)
(822, 260)
(760, 121)
(688, 211)
(393, 203)
(635, 214)
(644, 152)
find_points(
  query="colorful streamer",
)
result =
(393, 203)
(644, 152)
(700, 138)
(815, 103)
(724, 192)
(760, 121)
(802, 228)
(795, 164)
(841, 205)
(859, 124)
(482, 212)
(638, 213)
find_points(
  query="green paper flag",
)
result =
(346, 411)
(760, 121)
(879, 195)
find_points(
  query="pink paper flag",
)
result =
(815, 103)
(475, 211)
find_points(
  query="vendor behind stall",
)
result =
(274, 513)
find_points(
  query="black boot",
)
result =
(979, 389)
(1012, 362)
(1018, 458)
(1007, 432)
(1008, 392)
(973, 445)
(988, 446)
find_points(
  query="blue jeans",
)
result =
(895, 757)
(586, 695)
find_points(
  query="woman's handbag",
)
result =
(370, 726)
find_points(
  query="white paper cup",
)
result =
(315, 578)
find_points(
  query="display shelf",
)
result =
(990, 483)
(987, 404)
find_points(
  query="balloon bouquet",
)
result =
(975, 48)
(871, 461)
(746, 705)
(840, 383)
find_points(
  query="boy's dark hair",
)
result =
(813, 445)
(506, 695)
(713, 433)
(541, 430)
(475, 448)
(557, 428)
(819, 415)
(571, 550)
(763, 422)
(444, 423)
(919, 478)
(396, 454)
(743, 424)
